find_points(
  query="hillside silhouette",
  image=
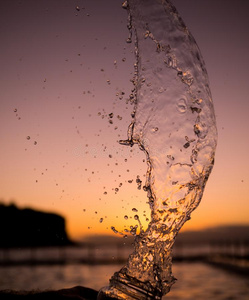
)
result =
(31, 228)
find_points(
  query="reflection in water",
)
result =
(204, 282)
(174, 125)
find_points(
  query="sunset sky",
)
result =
(65, 77)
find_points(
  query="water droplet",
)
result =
(135, 210)
(155, 129)
(114, 229)
(101, 220)
(186, 145)
(136, 217)
(15, 110)
(28, 137)
(125, 4)
(139, 183)
(182, 106)
(35, 143)
(77, 8)
(126, 217)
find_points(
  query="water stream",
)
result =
(174, 125)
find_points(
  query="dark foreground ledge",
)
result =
(75, 293)
(78, 292)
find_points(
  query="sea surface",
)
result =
(194, 280)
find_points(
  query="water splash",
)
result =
(174, 124)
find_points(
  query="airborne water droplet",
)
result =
(114, 229)
(125, 4)
(101, 220)
(182, 106)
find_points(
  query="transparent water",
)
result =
(174, 125)
(202, 282)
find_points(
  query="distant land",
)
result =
(219, 234)
(31, 228)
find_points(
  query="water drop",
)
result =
(15, 110)
(139, 183)
(182, 106)
(135, 210)
(126, 217)
(101, 220)
(28, 137)
(77, 8)
(114, 229)
(125, 4)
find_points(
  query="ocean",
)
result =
(194, 280)
(58, 268)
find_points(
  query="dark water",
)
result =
(195, 280)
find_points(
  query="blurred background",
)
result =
(66, 185)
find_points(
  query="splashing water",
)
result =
(174, 124)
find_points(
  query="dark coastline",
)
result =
(31, 228)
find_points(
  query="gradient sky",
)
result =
(65, 66)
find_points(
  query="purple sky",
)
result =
(63, 69)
